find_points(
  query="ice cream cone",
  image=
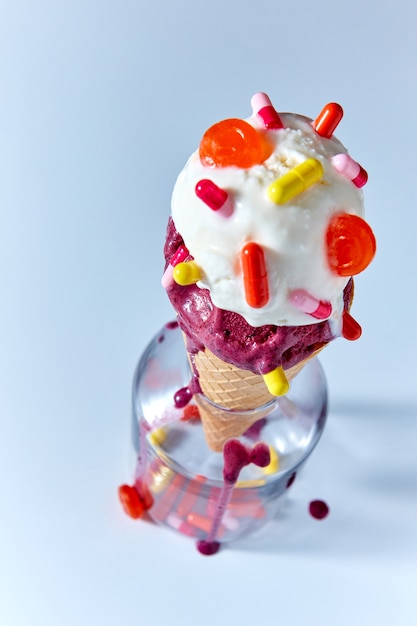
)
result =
(230, 394)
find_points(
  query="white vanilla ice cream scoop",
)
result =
(282, 205)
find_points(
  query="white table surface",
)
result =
(100, 105)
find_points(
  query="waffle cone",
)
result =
(233, 389)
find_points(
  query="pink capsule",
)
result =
(178, 257)
(346, 166)
(307, 303)
(212, 195)
(262, 106)
(181, 525)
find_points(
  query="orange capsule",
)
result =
(233, 142)
(164, 505)
(351, 244)
(255, 277)
(242, 509)
(190, 498)
(327, 121)
(204, 523)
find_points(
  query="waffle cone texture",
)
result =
(234, 389)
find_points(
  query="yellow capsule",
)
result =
(187, 273)
(158, 436)
(273, 466)
(160, 478)
(245, 484)
(294, 182)
(277, 382)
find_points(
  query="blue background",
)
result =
(100, 105)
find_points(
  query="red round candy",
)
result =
(351, 244)
(131, 501)
(233, 142)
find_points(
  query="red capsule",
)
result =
(211, 194)
(255, 277)
(179, 256)
(166, 502)
(203, 523)
(351, 330)
(190, 498)
(327, 121)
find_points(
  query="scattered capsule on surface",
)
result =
(131, 502)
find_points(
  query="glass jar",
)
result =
(184, 478)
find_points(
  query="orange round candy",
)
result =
(131, 501)
(351, 244)
(233, 142)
